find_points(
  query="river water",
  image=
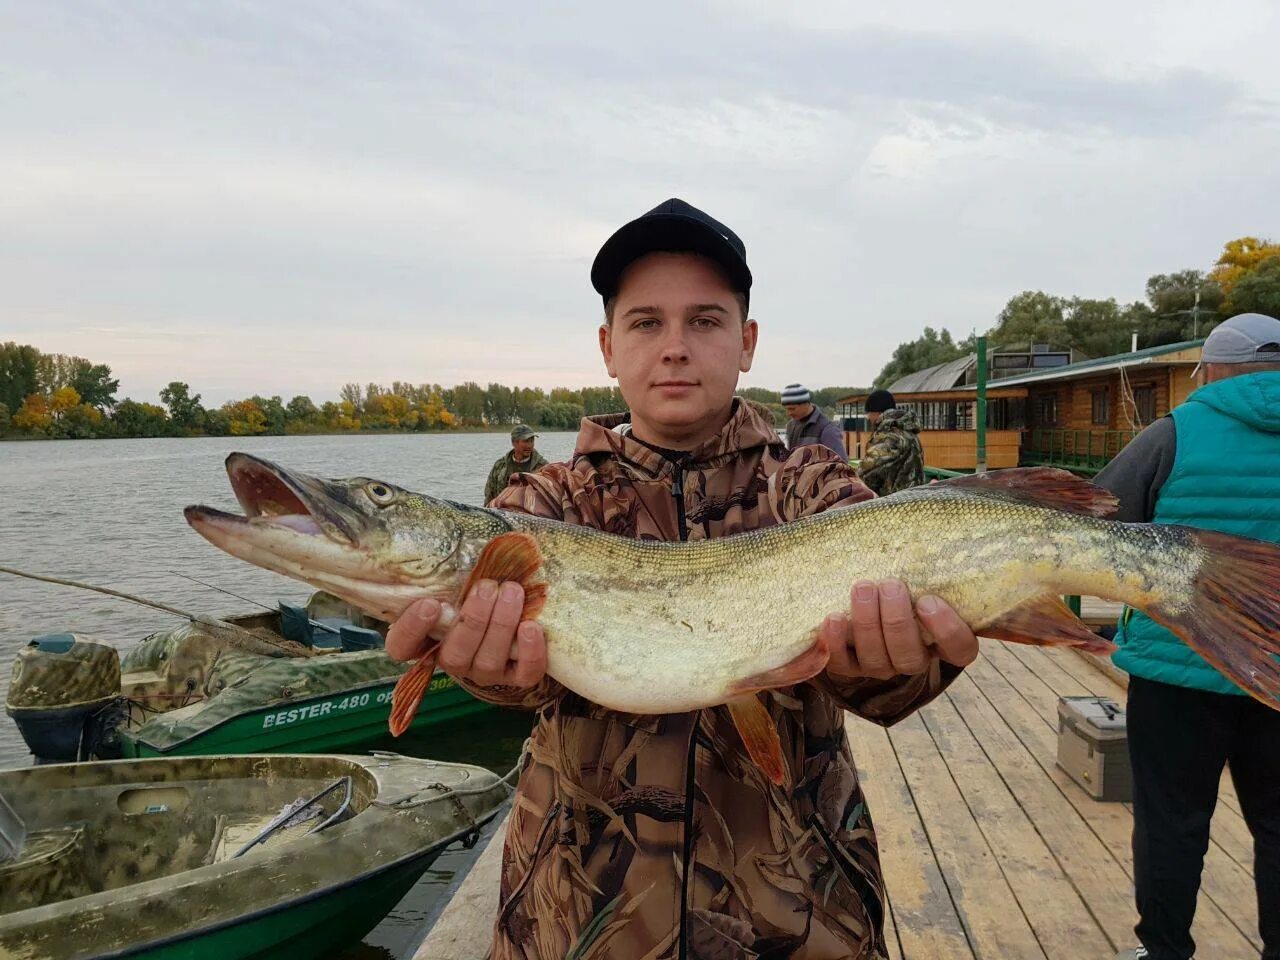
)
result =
(109, 512)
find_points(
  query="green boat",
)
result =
(215, 686)
(224, 857)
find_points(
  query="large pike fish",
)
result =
(647, 627)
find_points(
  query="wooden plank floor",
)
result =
(991, 852)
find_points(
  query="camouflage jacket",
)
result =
(502, 469)
(653, 836)
(893, 459)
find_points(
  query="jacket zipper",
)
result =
(677, 493)
(687, 861)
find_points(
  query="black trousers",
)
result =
(1179, 740)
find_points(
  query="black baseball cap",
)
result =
(674, 226)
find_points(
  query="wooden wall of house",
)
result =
(1075, 398)
(953, 449)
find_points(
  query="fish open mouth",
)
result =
(270, 495)
(306, 528)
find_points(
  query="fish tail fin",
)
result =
(409, 691)
(1232, 617)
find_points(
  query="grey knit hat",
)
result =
(795, 393)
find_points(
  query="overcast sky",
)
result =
(282, 197)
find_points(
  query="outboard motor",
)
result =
(62, 694)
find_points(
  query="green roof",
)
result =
(1096, 365)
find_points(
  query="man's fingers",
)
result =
(531, 656)
(408, 636)
(952, 638)
(834, 634)
(868, 638)
(459, 650)
(902, 640)
(489, 665)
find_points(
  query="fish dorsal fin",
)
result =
(514, 557)
(1041, 486)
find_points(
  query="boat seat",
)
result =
(360, 638)
(295, 625)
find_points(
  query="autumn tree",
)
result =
(34, 414)
(244, 418)
(1238, 258)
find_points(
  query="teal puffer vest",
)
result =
(1226, 476)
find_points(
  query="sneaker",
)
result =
(1137, 953)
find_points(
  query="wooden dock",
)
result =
(989, 850)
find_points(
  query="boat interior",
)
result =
(97, 827)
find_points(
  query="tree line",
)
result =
(1180, 306)
(60, 397)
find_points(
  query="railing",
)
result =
(1085, 451)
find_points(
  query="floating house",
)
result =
(1045, 405)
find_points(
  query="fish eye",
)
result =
(379, 493)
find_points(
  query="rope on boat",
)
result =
(416, 799)
(109, 592)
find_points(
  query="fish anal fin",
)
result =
(513, 557)
(759, 735)
(797, 670)
(1045, 621)
(1042, 486)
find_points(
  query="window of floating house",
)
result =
(1101, 408)
(1144, 402)
(1047, 410)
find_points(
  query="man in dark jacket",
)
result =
(521, 458)
(1213, 463)
(807, 424)
(893, 459)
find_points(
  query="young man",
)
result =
(1214, 462)
(655, 836)
(806, 423)
(893, 459)
(521, 458)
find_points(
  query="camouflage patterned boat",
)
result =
(225, 857)
(214, 686)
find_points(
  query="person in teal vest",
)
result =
(1214, 463)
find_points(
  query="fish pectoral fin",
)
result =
(1044, 621)
(809, 664)
(513, 557)
(759, 735)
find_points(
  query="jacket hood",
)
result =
(899, 418)
(750, 427)
(1252, 398)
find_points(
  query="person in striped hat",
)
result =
(808, 424)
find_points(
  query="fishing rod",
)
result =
(257, 603)
(106, 590)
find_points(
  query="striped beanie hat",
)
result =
(795, 393)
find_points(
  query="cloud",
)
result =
(278, 198)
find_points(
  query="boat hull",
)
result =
(345, 721)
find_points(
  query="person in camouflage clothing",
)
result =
(656, 837)
(893, 459)
(521, 458)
